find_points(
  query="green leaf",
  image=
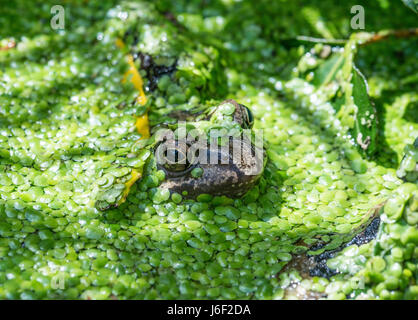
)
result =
(365, 125)
(411, 4)
(327, 71)
(350, 98)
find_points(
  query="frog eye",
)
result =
(249, 118)
(176, 159)
(246, 117)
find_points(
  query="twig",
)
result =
(319, 40)
(383, 35)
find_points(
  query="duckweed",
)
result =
(80, 201)
(197, 172)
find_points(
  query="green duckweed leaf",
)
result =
(327, 71)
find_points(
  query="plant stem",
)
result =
(376, 37)
(383, 35)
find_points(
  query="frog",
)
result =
(230, 169)
(166, 75)
(233, 174)
(237, 174)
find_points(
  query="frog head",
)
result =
(217, 164)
